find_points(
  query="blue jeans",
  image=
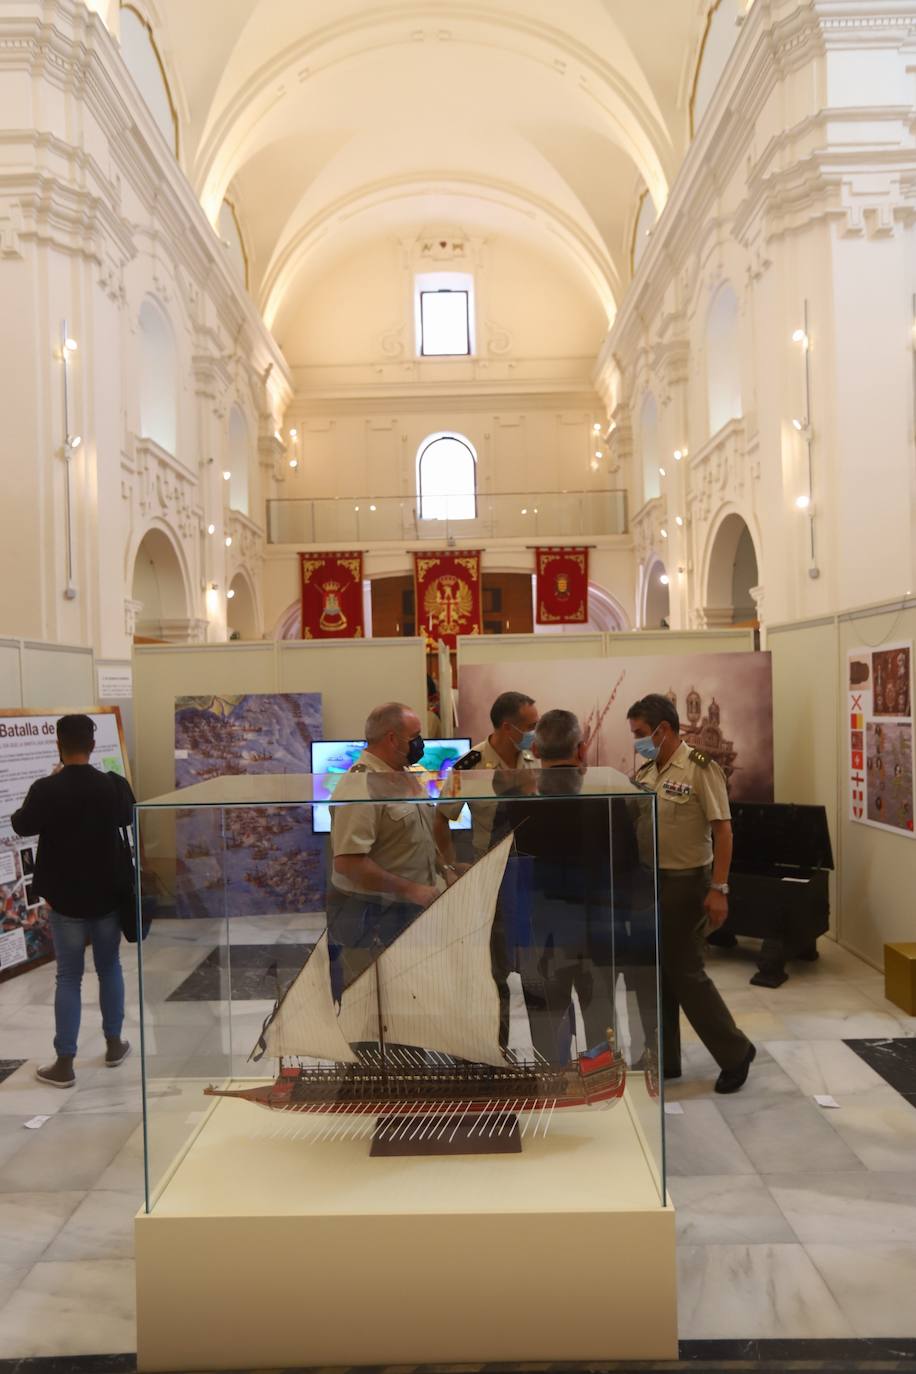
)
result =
(70, 934)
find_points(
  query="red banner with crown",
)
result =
(447, 591)
(562, 586)
(331, 589)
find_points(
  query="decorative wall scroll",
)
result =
(331, 589)
(562, 586)
(448, 601)
(880, 737)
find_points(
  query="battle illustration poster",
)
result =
(724, 701)
(238, 860)
(880, 737)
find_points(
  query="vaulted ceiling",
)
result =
(327, 122)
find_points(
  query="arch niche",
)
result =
(723, 360)
(238, 461)
(733, 573)
(657, 603)
(159, 588)
(158, 378)
(241, 609)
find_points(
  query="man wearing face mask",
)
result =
(694, 854)
(386, 866)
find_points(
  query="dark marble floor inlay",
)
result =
(9, 1066)
(696, 1357)
(894, 1060)
(249, 972)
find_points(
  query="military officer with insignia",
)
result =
(694, 855)
(386, 865)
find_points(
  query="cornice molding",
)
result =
(68, 46)
(772, 45)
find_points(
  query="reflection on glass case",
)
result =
(461, 993)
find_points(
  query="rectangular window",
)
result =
(444, 314)
(445, 324)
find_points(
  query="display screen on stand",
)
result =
(330, 756)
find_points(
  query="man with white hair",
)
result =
(386, 865)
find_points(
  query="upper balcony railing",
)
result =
(508, 515)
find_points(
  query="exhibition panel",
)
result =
(477, 1049)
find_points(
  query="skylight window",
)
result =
(445, 315)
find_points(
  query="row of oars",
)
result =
(410, 1121)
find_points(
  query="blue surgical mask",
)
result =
(646, 748)
(526, 741)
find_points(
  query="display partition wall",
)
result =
(814, 689)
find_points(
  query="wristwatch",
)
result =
(719, 887)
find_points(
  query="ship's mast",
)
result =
(381, 1026)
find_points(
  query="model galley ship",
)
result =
(413, 1041)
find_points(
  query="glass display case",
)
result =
(496, 994)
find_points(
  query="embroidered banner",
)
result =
(447, 591)
(331, 588)
(562, 586)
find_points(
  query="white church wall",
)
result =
(779, 229)
(100, 224)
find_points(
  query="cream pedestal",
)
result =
(263, 1251)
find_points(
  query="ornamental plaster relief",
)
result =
(646, 528)
(164, 489)
(717, 470)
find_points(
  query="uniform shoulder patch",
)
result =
(468, 761)
(699, 758)
(644, 768)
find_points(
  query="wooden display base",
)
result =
(410, 1136)
(405, 1261)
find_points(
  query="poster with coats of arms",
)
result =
(880, 737)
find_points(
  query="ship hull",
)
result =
(475, 1089)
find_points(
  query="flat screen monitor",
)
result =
(331, 756)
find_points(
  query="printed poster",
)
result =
(880, 737)
(28, 751)
(246, 860)
(724, 702)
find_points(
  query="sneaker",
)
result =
(59, 1074)
(730, 1080)
(117, 1052)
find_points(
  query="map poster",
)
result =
(880, 737)
(28, 751)
(246, 860)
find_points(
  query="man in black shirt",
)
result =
(574, 857)
(76, 813)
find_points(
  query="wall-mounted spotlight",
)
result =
(230, 594)
(597, 427)
(294, 463)
(211, 529)
(228, 541)
(227, 475)
(663, 472)
(801, 337)
(663, 533)
(679, 520)
(664, 579)
(679, 453)
(803, 502)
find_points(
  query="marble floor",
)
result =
(796, 1221)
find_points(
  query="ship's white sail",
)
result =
(435, 983)
(436, 980)
(306, 1021)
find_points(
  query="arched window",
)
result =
(141, 57)
(447, 478)
(646, 215)
(238, 461)
(158, 378)
(230, 235)
(648, 443)
(722, 27)
(723, 360)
